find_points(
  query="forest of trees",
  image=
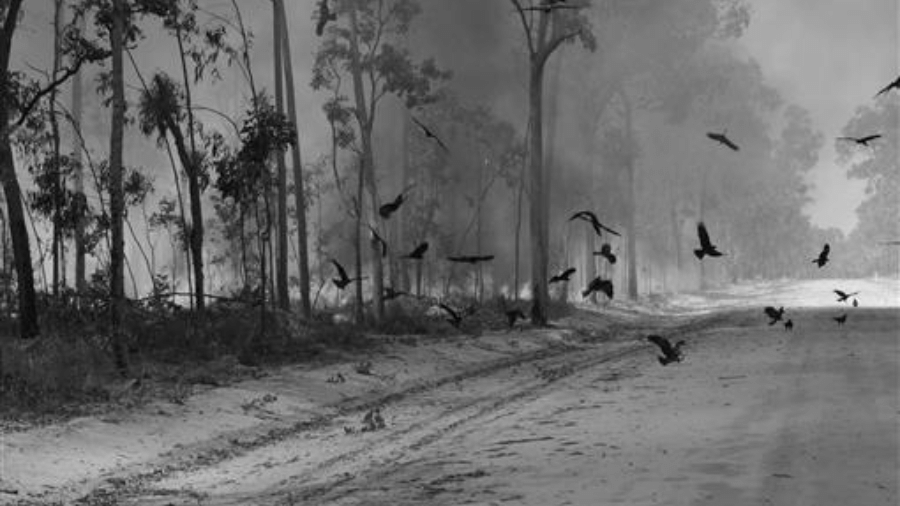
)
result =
(184, 184)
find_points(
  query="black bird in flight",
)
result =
(471, 259)
(843, 296)
(606, 252)
(591, 218)
(391, 294)
(893, 84)
(429, 134)
(343, 279)
(723, 139)
(377, 239)
(419, 252)
(706, 246)
(454, 317)
(823, 256)
(840, 319)
(514, 314)
(386, 210)
(774, 314)
(669, 353)
(599, 284)
(563, 276)
(789, 325)
(862, 141)
(325, 15)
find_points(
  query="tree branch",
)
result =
(31, 104)
(525, 26)
(555, 43)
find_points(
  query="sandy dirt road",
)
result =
(754, 416)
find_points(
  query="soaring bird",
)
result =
(669, 353)
(789, 325)
(843, 296)
(775, 314)
(386, 210)
(840, 319)
(599, 284)
(453, 316)
(419, 252)
(429, 134)
(325, 15)
(514, 314)
(706, 246)
(563, 276)
(893, 84)
(862, 141)
(823, 256)
(343, 279)
(377, 239)
(471, 259)
(723, 139)
(606, 252)
(591, 218)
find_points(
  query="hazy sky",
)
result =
(829, 56)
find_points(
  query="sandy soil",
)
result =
(755, 415)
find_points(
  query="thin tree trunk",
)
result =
(58, 182)
(368, 166)
(357, 247)
(80, 276)
(117, 200)
(632, 200)
(281, 242)
(539, 246)
(299, 183)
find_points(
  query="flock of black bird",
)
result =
(670, 352)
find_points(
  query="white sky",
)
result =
(829, 56)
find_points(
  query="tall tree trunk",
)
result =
(631, 197)
(80, 277)
(116, 193)
(368, 165)
(281, 240)
(28, 324)
(539, 244)
(58, 183)
(191, 166)
(299, 190)
(358, 248)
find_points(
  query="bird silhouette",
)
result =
(591, 218)
(563, 276)
(343, 279)
(606, 252)
(471, 259)
(378, 240)
(775, 314)
(386, 210)
(418, 252)
(325, 15)
(789, 325)
(840, 319)
(893, 84)
(823, 256)
(670, 353)
(723, 139)
(706, 246)
(862, 141)
(514, 314)
(391, 294)
(599, 284)
(453, 316)
(843, 296)
(855, 303)
(429, 134)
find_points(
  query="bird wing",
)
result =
(568, 272)
(771, 312)
(340, 268)
(869, 138)
(664, 345)
(484, 258)
(726, 141)
(841, 294)
(704, 236)
(894, 84)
